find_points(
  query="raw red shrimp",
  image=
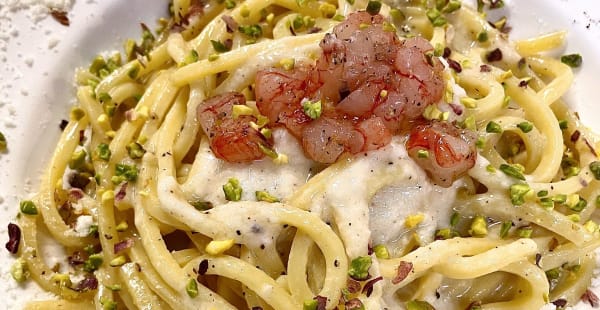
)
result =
(230, 139)
(447, 152)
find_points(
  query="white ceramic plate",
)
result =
(38, 58)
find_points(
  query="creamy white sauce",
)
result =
(279, 180)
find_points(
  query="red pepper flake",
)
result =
(456, 108)
(522, 63)
(454, 65)
(589, 145)
(575, 136)
(403, 270)
(523, 83)
(538, 257)
(354, 303)
(495, 55)
(60, 16)
(321, 302)
(120, 195)
(89, 283)
(447, 52)
(485, 68)
(14, 238)
(561, 303)
(123, 245)
(353, 286)
(63, 124)
(590, 298)
(368, 289)
(230, 23)
(552, 244)
(203, 267)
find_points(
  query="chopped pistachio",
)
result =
(108, 304)
(423, 154)
(490, 169)
(93, 230)
(412, 221)
(281, 159)
(202, 205)
(310, 304)
(128, 172)
(590, 226)
(419, 305)
(432, 112)
(133, 72)
(553, 274)
(397, 15)
(359, 268)
(559, 198)
(468, 102)
(327, 10)
(478, 226)
(253, 31)
(597, 201)
(192, 288)
(574, 217)
(77, 159)
(505, 228)
(244, 11)
(595, 169)
(287, 63)
(217, 247)
(542, 193)
(518, 192)
(114, 287)
(267, 151)
(469, 123)
(482, 36)
(351, 2)
(493, 127)
(512, 171)
(232, 190)
(229, 4)
(506, 101)
(338, 17)
(445, 233)
(373, 7)
(435, 17)
(381, 251)
(480, 143)
(118, 261)
(454, 219)
(500, 23)
(563, 124)
(103, 151)
(312, 109)
(240, 109)
(525, 232)
(572, 60)
(298, 22)
(266, 132)
(213, 57)
(218, 46)
(19, 271)
(265, 196)
(97, 64)
(452, 6)
(93, 262)
(572, 171)
(122, 226)
(76, 113)
(28, 207)
(525, 126)
(63, 280)
(135, 150)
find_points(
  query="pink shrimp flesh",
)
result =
(445, 151)
(231, 139)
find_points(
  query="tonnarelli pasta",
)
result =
(304, 154)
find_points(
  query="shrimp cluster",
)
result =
(370, 86)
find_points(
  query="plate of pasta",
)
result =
(308, 154)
